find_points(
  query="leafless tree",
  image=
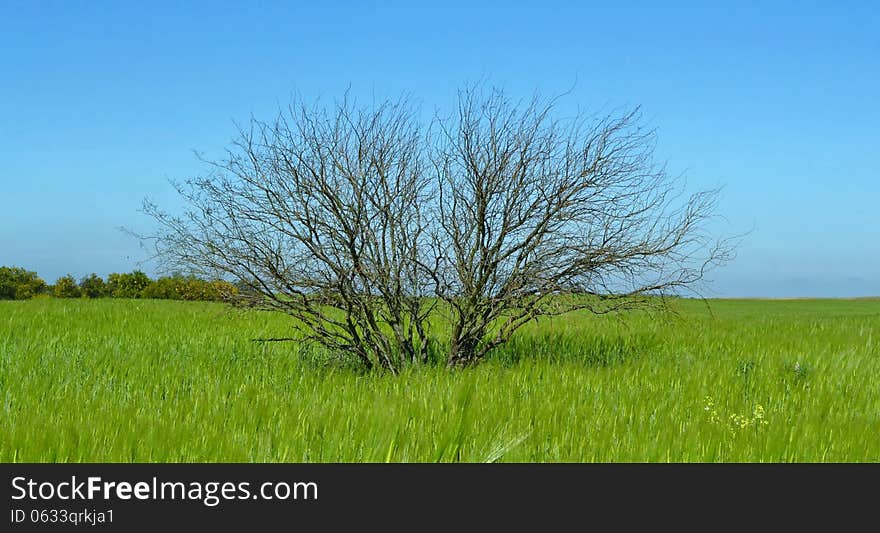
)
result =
(373, 232)
(319, 215)
(542, 215)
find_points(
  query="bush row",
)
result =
(20, 284)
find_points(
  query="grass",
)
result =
(145, 381)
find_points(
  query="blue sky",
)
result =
(102, 102)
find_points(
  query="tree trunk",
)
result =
(462, 352)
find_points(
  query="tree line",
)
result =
(17, 283)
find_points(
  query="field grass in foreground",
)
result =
(143, 381)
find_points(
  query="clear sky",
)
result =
(778, 102)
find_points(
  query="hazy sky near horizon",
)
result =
(102, 102)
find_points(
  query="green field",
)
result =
(143, 380)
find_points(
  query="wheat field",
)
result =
(719, 381)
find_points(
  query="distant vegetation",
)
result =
(17, 283)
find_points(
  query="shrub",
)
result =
(178, 287)
(16, 283)
(129, 285)
(164, 288)
(92, 286)
(224, 290)
(66, 287)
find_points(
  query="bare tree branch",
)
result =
(537, 209)
(366, 230)
(319, 215)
